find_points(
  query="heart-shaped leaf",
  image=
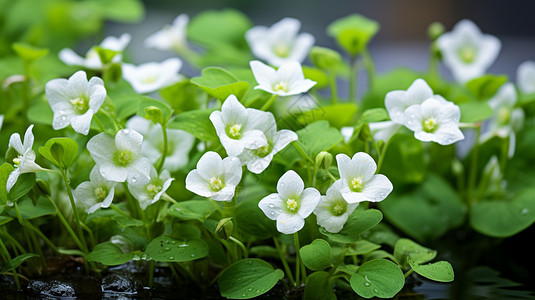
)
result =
(168, 249)
(378, 278)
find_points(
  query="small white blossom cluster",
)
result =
(431, 117)
(292, 203)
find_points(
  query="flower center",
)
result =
(280, 86)
(504, 116)
(123, 158)
(80, 104)
(149, 79)
(281, 50)
(234, 131)
(292, 205)
(467, 54)
(17, 160)
(357, 184)
(339, 208)
(100, 193)
(153, 189)
(430, 125)
(264, 150)
(216, 184)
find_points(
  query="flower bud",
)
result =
(435, 30)
(154, 114)
(324, 58)
(324, 160)
(224, 228)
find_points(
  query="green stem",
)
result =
(269, 102)
(472, 176)
(165, 149)
(114, 207)
(243, 248)
(370, 67)
(168, 198)
(504, 153)
(409, 272)
(382, 155)
(43, 236)
(24, 229)
(99, 124)
(75, 212)
(66, 224)
(284, 262)
(353, 74)
(297, 260)
(219, 209)
(151, 273)
(4, 249)
(332, 83)
(339, 260)
(12, 240)
(302, 152)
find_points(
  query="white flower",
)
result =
(398, 101)
(179, 143)
(286, 81)
(120, 158)
(359, 181)
(332, 210)
(92, 59)
(347, 133)
(75, 101)
(171, 37)
(467, 52)
(436, 120)
(291, 205)
(506, 118)
(151, 192)
(95, 193)
(383, 131)
(152, 76)
(238, 127)
(257, 160)
(525, 77)
(23, 157)
(1, 121)
(215, 177)
(280, 43)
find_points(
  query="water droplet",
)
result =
(525, 211)
(367, 284)
(126, 131)
(171, 258)
(271, 205)
(166, 249)
(192, 255)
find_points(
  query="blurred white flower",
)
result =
(525, 77)
(74, 101)
(171, 37)
(383, 131)
(151, 192)
(215, 177)
(179, 143)
(280, 43)
(291, 204)
(92, 59)
(332, 210)
(238, 127)
(359, 181)
(467, 52)
(398, 101)
(1, 121)
(506, 118)
(286, 81)
(152, 76)
(347, 133)
(119, 159)
(21, 156)
(95, 193)
(257, 160)
(435, 120)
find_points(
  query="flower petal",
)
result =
(289, 223)
(271, 205)
(290, 185)
(309, 200)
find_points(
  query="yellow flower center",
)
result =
(504, 116)
(216, 184)
(430, 125)
(468, 54)
(264, 150)
(80, 104)
(100, 193)
(280, 86)
(17, 160)
(339, 208)
(123, 158)
(357, 184)
(153, 189)
(149, 79)
(281, 50)
(292, 204)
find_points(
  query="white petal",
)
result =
(525, 77)
(97, 93)
(263, 74)
(225, 194)
(232, 169)
(344, 164)
(364, 164)
(309, 200)
(16, 143)
(128, 139)
(383, 131)
(377, 189)
(101, 147)
(198, 185)
(282, 138)
(290, 185)
(253, 139)
(209, 165)
(69, 57)
(289, 223)
(112, 172)
(81, 124)
(12, 179)
(271, 205)
(139, 171)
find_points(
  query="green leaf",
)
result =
(434, 208)
(353, 32)
(324, 58)
(220, 83)
(378, 278)
(30, 210)
(105, 55)
(182, 96)
(40, 112)
(319, 287)
(17, 261)
(128, 221)
(5, 170)
(439, 271)
(320, 77)
(317, 255)
(121, 10)
(192, 210)
(406, 249)
(28, 52)
(214, 28)
(358, 222)
(486, 86)
(311, 144)
(503, 218)
(109, 254)
(248, 278)
(167, 249)
(338, 115)
(404, 161)
(253, 221)
(472, 112)
(362, 247)
(195, 122)
(24, 184)
(68, 146)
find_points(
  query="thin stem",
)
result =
(382, 155)
(219, 209)
(353, 74)
(114, 207)
(99, 124)
(67, 225)
(472, 176)
(504, 153)
(302, 152)
(269, 102)
(370, 67)
(284, 262)
(168, 198)
(165, 148)
(297, 259)
(4, 249)
(151, 273)
(339, 260)
(243, 248)
(43, 236)
(332, 85)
